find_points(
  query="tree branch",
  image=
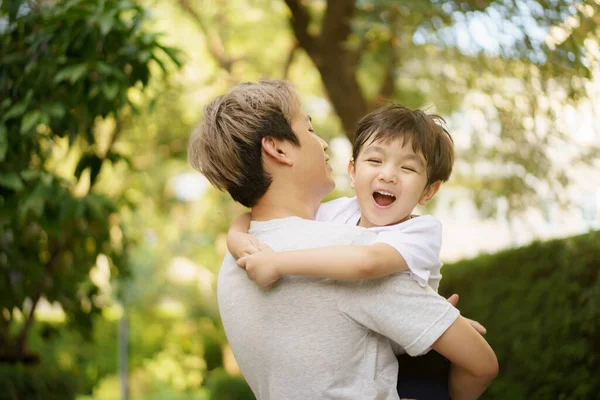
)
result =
(22, 336)
(290, 59)
(357, 54)
(299, 23)
(388, 85)
(336, 24)
(214, 42)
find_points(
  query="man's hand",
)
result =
(261, 266)
(478, 327)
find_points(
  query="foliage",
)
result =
(63, 68)
(541, 307)
(36, 383)
(507, 70)
(225, 387)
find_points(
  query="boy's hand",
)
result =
(242, 244)
(261, 266)
(478, 327)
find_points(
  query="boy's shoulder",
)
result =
(414, 223)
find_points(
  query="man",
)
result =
(310, 338)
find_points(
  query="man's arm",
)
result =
(419, 319)
(239, 242)
(335, 262)
(474, 364)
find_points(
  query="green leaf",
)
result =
(106, 24)
(35, 202)
(73, 73)
(15, 111)
(110, 90)
(11, 180)
(56, 110)
(30, 121)
(91, 161)
(173, 54)
(3, 141)
(5, 103)
(30, 174)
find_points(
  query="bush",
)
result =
(226, 387)
(19, 382)
(541, 306)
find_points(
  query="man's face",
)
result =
(389, 179)
(310, 166)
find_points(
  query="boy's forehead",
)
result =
(382, 144)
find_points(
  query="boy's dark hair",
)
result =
(226, 147)
(427, 133)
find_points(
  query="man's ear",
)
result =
(351, 172)
(277, 150)
(429, 192)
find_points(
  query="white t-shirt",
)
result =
(312, 338)
(418, 239)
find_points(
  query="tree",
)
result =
(518, 63)
(63, 69)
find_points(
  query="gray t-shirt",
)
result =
(310, 338)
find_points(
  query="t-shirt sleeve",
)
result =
(328, 211)
(419, 242)
(399, 309)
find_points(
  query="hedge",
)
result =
(19, 382)
(541, 307)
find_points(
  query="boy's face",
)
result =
(310, 166)
(390, 179)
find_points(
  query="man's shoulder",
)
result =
(298, 233)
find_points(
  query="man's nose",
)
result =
(324, 144)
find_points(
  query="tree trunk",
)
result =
(339, 78)
(336, 63)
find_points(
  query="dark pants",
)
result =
(424, 377)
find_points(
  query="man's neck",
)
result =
(275, 205)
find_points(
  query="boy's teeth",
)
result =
(385, 193)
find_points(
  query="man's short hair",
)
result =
(427, 132)
(226, 146)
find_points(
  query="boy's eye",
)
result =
(409, 169)
(374, 160)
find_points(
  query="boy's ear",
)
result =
(276, 150)
(429, 192)
(351, 172)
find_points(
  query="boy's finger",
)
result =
(453, 300)
(241, 262)
(478, 327)
(251, 250)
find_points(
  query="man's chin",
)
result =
(329, 187)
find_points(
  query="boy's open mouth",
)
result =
(383, 198)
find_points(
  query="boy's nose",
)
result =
(388, 177)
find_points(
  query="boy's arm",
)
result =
(474, 364)
(336, 262)
(239, 242)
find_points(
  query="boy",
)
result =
(400, 157)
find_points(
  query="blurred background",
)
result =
(110, 243)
